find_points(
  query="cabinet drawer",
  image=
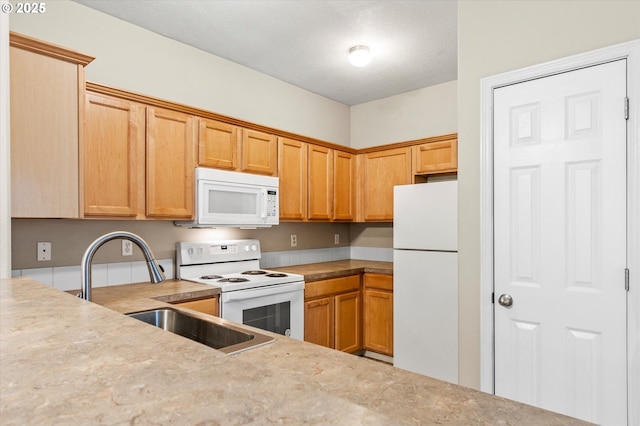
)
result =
(379, 281)
(332, 286)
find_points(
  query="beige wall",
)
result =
(135, 59)
(430, 111)
(500, 36)
(372, 235)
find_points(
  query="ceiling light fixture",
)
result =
(359, 56)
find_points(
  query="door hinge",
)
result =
(626, 279)
(626, 108)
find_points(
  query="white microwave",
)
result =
(233, 199)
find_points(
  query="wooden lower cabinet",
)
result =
(348, 322)
(333, 313)
(378, 313)
(318, 321)
(206, 306)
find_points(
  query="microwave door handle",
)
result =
(263, 210)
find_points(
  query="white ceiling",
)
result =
(306, 42)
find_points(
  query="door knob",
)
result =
(505, 300)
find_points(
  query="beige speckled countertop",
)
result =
(68, 361)
(127, 298)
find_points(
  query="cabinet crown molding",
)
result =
(48, 49)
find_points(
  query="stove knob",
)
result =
(253, 247)
(246, 248)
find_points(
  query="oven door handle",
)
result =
(252, 293)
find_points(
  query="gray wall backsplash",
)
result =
(70, 238)
(66, 278)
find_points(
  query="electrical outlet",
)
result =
(294, 240)
(44, 251)
(127, 248)
(336, 238)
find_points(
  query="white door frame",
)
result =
(630, 51)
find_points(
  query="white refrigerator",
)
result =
(425, 279)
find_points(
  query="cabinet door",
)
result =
(378, 321)
(344, 169)
(348, 320)
(113, 156)
(318, 321)
(170, 163)
(435, 157)
(259, 153)
(320, 188)
(381, 172)
(217, 144)
(45, 107)
(206, 306)
(292, 171)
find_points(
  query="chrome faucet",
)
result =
(156, 273)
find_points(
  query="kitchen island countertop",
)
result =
(68, 361)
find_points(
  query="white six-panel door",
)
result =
(560, 242)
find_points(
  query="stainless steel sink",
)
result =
(213, 332)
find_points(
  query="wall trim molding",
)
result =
(5, 151)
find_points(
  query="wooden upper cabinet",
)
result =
(435, 157)
(344, 175)
(171, 139)
(47, 102)
(292, 171)
(113, 156)
(217, 144)
(316, 183)
(380, 172)
(320, 185)
(259, 153)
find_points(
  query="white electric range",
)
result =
(261, 298)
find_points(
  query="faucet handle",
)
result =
(156, 271)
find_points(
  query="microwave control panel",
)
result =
(272, 203)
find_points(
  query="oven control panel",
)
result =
(217, 251)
